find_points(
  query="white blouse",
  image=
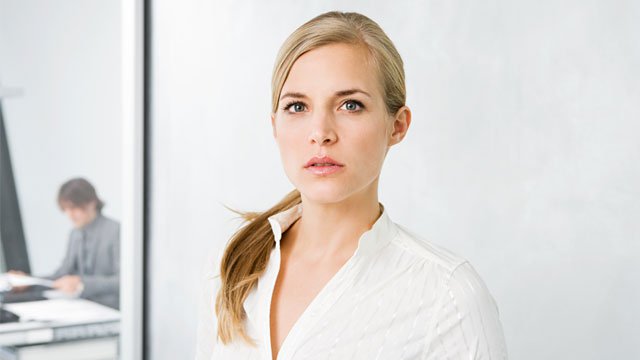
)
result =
(398, 297)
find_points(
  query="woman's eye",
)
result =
(352, 105)
(295, 107)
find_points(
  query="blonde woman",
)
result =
(326, 273)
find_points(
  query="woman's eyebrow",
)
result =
(351, 92)
(296, 95)
(340, 93)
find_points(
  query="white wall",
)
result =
(522, 156)
(65, 56)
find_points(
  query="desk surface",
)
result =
(33, 293)
(63, 311)
(49, 320)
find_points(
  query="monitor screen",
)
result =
(13, 252)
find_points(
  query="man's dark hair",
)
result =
(78, 192)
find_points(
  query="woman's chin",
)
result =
(323, 194)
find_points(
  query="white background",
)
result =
(64, 55)
(522, 156)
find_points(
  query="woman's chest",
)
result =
(387, 319)
(296, 286)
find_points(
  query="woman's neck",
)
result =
(329, 230)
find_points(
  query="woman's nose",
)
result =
(322, 130)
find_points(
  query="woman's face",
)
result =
(332, 105)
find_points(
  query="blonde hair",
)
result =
(247, 253)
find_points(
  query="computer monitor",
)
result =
(13, 249)
(3, 266)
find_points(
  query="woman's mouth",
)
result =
(323, 165)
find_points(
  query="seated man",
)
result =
(91, 266)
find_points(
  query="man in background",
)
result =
(91, 266)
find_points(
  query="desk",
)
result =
(66, 329)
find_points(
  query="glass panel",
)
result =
(60, 186)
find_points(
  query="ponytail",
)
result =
(245, 258)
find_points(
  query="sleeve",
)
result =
(69, 263)
(97, 285)
(207, 321)
(467, 324)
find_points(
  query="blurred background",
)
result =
(61, 62)
(522, 155)
(61, 113)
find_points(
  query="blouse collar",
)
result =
(380, 234)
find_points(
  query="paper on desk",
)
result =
(25, 280)
(4, 284)
(63, 310)
(57, 294)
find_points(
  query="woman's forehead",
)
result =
(331, 69)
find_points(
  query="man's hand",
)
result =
(18, 289)
(16, 272)
(69, 284)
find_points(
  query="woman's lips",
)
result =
(324, 169)
(323, 165)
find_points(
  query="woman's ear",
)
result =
(401, 122)
(273, 124)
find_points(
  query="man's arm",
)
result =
(69, 264)
(95, 285)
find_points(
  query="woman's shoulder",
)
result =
(459, 279)
(423, 249)
(461, 293)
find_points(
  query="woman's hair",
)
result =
(78, 192)
(247, 253)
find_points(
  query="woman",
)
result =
(325, 273)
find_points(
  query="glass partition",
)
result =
(63, 211)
